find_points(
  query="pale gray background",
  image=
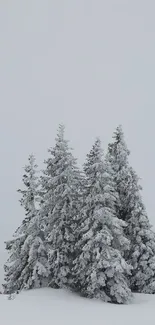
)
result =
(87, 63)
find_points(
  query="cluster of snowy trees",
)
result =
(87, 230)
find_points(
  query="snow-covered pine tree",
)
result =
(62, 183)
(142, 251)
(100, 269)
(130, 209)
(27, 266)
(117, 155)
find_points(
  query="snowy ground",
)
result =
(57, 307)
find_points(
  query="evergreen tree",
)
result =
(139, 230)
(61, 182)
(27, 266)
(130, 209)
(100, 269)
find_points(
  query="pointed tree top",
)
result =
(60, 138)
(119, 134)
(98, 142)
(119, 141)
(61, 131)
(94, 157)
(96, 149)
(31, 167)
(32, 160)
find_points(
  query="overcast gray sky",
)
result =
(87, 63)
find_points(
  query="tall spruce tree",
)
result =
(62, 182)
(27, 266)
(130, 209)
(100, 269)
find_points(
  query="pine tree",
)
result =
(100, 269)
(139, 230)
(61, 182)
(27, 266)
(130, 209)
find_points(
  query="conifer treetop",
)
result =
(118, 147)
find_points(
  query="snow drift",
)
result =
(59, 307)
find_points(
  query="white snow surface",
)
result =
(59, 307)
